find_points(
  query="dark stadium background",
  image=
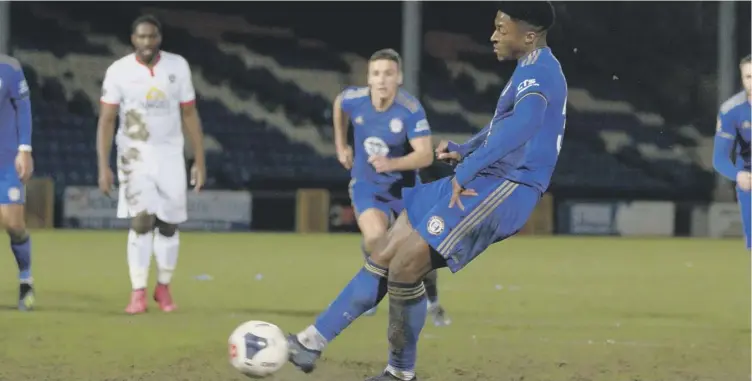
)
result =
(659, 59)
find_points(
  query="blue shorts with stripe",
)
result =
(11, 189)
(499, 211)
(745, 208)
(366, 196)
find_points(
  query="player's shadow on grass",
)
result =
(278, 312)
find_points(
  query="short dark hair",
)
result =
(540, 14)
(148, 19)
(746, 60)
(387, 54)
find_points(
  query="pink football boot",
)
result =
(138, 302)
(163, 298)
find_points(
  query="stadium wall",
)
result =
(320, 210)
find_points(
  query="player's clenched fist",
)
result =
(345, 156)
(744, 180)
(105, 180)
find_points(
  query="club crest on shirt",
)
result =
(395, 125)
(359, 120)
(746, 124)
(171, 77)
(435, 225)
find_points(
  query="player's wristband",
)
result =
(24, 148)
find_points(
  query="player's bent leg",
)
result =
(140, 242)
(373, 223)
(363, 292)
(166, 246)
(407, 305)
(14, 221)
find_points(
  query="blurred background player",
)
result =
(731, 150)
(152, 93)
(16, 167)
(502, 175)
(387, 123)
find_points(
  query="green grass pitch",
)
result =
(529, 309)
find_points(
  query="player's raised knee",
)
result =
(142, 223)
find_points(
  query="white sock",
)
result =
(312, 339)
(139, 258)
(401, 374)
(166, 252)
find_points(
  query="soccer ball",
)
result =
(258, 349)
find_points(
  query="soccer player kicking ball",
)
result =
(153, 93)
(503, 172)
(16, 167)
(732, 137)
(386, 119)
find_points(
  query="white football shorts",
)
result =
(152, 182)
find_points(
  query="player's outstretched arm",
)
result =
(507, 135)
(471, 144)
(722, 146)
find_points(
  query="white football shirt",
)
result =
(149, 100)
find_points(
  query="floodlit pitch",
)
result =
(600, 309)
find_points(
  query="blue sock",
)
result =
(407, 315)
(363, 292)
(22, 252)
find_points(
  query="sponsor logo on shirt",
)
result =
(526, 84)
